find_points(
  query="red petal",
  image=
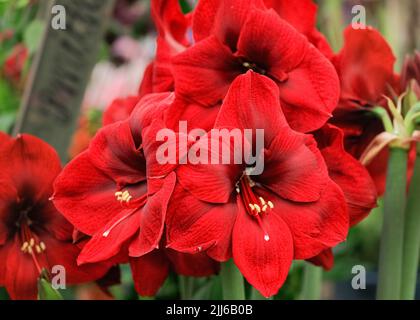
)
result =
(21, 275)
(60, 253)
(195, 115)
(291, 60)
(321, 92)
(120, 109)
(325, 259)
(365, 65)
(315, 226)
(211, 180)
(107, 242)
(193, 225)
(8, 195)
(169, 19)
(114, 152)
(85, 195)
(192, 265)
(253, 103)
(359, 189)
(146, 85)
(205, 71)
(31, 166)
(301, 14)
(265, 264)
(223, 19)
(149, 272)
(294, 168)
(152, 219)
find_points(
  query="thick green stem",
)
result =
(411, 236)
(186, 287)
(312, 282)
(232, 282)
(255, 295)
(390, 256)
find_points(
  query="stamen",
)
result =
(123, 196)
(255, 206)
(116, 223)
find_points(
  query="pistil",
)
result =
(254, 206)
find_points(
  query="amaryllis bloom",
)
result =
(172, 26)
(293, 210)
(33, 234)
(365, 66)
(15, 62)
(117, 194)
(244, 35)
(351, 176)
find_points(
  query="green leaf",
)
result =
(45, 289)
(33, 35)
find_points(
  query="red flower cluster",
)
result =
(250, 64)
(33, 234)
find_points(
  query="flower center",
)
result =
(255, 206)
(31, 244)
(254, 67)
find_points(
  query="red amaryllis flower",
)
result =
(301, 14)
(33, 234)
(172, 26)
(351, 176)
(246, 36)
(365, 67)
(293, 210)
(15, 62)
(120, 109)
(118, 194)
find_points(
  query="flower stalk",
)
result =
(312, 282)
(411, 236)
(391, 247)
(232, 282)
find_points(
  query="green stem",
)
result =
(411, 236)
(390, 255)
(232, 282)
(312, 282)
(255, 295)
(186, 286)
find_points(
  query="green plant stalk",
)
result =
(232, 282)
(392, 238)
(312, 282)
(411, 236)
(186, 286)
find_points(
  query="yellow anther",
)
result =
(32, 242)
(262, 201)
(38, 249)
(123, 196)
(29, 250)
(270, 204)
(252, 206)
(24, 246)
(43, 246)
(265, 207)
(257, 207)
